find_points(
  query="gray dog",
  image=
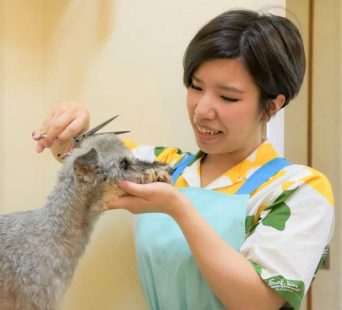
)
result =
(40, 249)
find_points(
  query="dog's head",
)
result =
(102, 160)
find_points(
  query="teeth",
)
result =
(207, 131)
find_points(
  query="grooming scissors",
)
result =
(61, 151)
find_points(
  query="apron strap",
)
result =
(181, 166)
(262, 175)
(259, 177)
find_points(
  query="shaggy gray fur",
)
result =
(39, 249)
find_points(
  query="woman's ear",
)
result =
(276, 104)
(273, 107)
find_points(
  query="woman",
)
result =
(240, 69)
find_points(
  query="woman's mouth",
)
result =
(207, 135)
(207, 131)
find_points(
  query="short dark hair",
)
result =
(270, 47)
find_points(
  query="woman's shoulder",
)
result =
(297, 182)
(295, 195)
(315, 180)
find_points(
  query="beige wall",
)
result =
(327, 147)
(117, 57)
(327, 130)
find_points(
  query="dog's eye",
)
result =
(124, 163)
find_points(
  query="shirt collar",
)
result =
(239, 173)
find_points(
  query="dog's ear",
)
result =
(85, 166)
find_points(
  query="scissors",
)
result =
(61, 151)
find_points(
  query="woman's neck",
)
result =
(214, 165)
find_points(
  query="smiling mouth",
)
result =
(207, 131)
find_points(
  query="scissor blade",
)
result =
(98, 127)
(90, 132)
(112, 132)
(120, 132)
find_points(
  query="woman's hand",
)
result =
(63, 123)
(151, 197)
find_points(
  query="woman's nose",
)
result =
(205, 107)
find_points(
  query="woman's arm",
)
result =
(230, 275)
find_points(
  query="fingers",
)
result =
(63, 127)
(129, 203)
(57, 124)
(136, 200)
(40, 147)
(72, 130)
(144, 198)
(134, 189)
(63, 123)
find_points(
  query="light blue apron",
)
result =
(168, 273)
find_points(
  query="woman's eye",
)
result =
(195, 87)
(230, 99)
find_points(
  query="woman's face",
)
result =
(223, 106)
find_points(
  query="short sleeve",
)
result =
(289, 236)
(168, 155)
